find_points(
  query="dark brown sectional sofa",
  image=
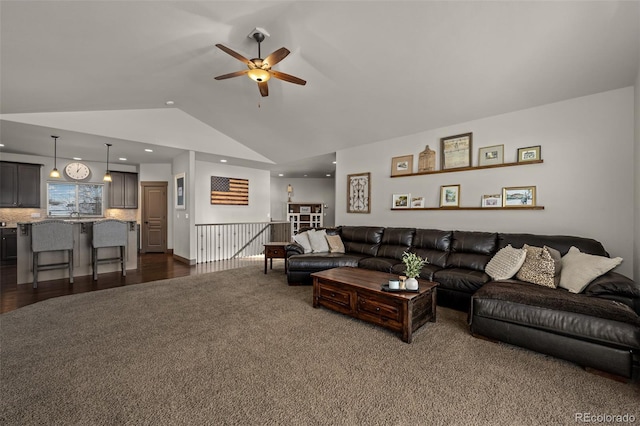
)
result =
(598, 328)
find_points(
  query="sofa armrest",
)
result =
(614, 284)
(293, 248)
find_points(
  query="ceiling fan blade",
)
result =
(276, 56)
(287, 77)
(264, 89)
(233, 53)
(231, 74)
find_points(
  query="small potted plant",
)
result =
(413, 265)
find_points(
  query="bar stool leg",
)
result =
(71, 266)
(123, 260)
(35, 270)
(94, 262)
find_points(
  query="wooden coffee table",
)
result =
(358, 293)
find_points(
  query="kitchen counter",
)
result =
(81, 252)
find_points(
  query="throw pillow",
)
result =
(579, 269)
(335, 244)
(318, 240)
(506, 263)
(303, 240)
(541, 266)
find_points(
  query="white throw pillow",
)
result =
(506, 263)
(318, 240)
(579, 269)
(303, 240)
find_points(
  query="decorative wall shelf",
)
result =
(471, 208)
(466, 169)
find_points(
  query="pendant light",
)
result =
(107, 175)
(55, 173)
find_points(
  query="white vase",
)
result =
(411, 284)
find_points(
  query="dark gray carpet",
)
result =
(241, 347)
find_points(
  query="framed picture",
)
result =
(180, 186)
(492, 200)
(417, 202)
(402, 165)
(490, 155)
(519, 196)
(359, 193)
(401, 201)
(305, 209)
(531, 153)
(456, 151)
(450, 196)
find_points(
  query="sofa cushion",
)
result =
(395, 241)
(559, 311)
(464, 280)
(541, 266)
(579, 269)
(362, 239)
(314, 262)
(384, 264)
(335, 244)
(506, 263)
(433, 245)
(472, 250)
(561, 243)
(426, 273)
(303, 240)
(318, 241)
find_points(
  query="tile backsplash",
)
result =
(13, 216)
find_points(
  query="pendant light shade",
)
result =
(55, 173)
(107, 175)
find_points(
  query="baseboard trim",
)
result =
(184, 260)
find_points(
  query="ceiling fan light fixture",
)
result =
(259, 75)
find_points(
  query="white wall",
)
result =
(584, 182)
(304, 190)
(184, 220)
(259, 195)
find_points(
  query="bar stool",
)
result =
(51, 235)
(109, 233)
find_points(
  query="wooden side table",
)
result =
(275, 250)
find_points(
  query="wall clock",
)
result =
(77, 171)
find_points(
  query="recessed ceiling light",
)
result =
(148, 150)
(169, 103)
(306, 175)
(122, 159)
(280, 174)
(223, 161)
(77, 158)
(1, 145)
(328, 174)
(334, 162)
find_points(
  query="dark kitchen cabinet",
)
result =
(8, 244)
(123, 190)
(19, 185)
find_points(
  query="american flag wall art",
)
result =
(231, 191)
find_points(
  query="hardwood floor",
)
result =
(151, 267)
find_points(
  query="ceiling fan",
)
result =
(258, 69)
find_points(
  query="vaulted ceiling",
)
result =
(102, 71)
